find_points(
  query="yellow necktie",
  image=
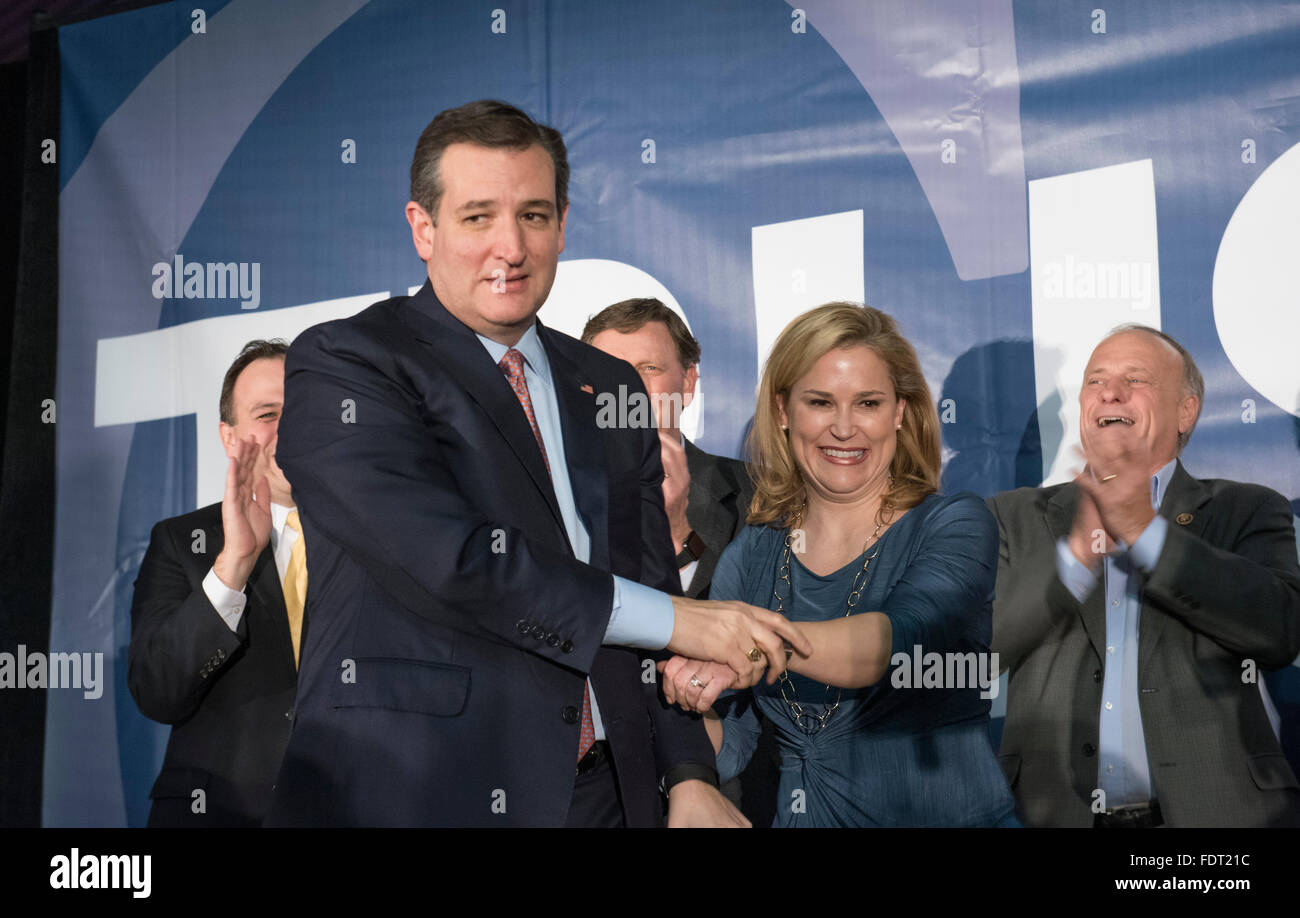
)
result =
(295, 583)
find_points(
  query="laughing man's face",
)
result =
(1133, 395)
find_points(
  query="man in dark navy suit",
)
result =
(213, 641)
(491, 569)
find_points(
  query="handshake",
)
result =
(724, 644)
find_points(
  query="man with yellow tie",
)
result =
(217, 618)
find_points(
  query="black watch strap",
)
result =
(689, 772)
(692, 549)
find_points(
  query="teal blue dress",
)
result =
(892, 754)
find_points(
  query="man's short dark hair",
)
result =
(631, 315)
(256, 349)
(1193, 382)
(486, 123)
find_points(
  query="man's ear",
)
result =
(1187, 409)
(688, 385)
(563, 218)
(229, 440)
(422, 229)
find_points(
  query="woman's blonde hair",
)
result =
(779, 489)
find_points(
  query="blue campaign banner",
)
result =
(1009, 179)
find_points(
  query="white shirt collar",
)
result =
(279, 514)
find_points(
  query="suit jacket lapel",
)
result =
(1092, 611)
(460, 352)
(707, 515)
(1185, 495)
(584, 450)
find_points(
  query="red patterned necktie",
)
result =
(512, 364)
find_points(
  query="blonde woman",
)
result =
(849, 539)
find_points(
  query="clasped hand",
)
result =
(695, 685)
(713, 643)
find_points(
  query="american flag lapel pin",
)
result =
(587, 388)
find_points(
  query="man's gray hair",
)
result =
(1193, 382)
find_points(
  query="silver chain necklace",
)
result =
(808, 721)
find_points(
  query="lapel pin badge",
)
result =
(587, 388)
(1183, 519)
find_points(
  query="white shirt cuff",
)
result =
(687, 574)
(228, 603)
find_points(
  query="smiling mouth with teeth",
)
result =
(1107, 421)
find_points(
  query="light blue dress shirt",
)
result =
(1123, 771)
(641, 616)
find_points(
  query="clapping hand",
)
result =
(245, 512)
(1117, 485)
(677, 485)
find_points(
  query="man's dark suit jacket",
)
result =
(1226, 589)
(228, 695)
(716, 509)
(452, 626)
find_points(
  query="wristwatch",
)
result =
(692, 549)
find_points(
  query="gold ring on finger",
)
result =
(755, 655)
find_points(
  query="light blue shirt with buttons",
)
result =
(641, 617)
(1123, 771)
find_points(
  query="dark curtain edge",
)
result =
(27, 470)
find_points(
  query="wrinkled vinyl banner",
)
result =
(1009, 179)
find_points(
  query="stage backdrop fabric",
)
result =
(1008, 179)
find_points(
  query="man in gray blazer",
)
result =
(706, 496)
(1136, 610)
